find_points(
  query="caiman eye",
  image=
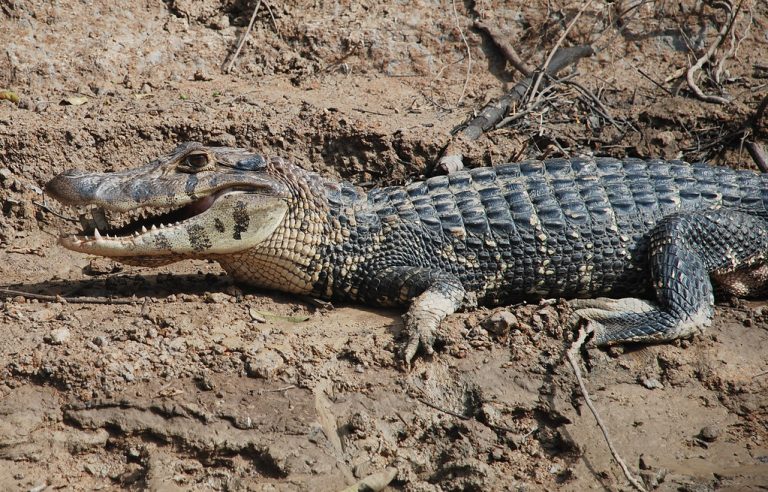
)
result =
(196, 161)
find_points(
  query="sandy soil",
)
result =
(197, 383)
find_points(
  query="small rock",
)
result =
(202, 75)
(264, 365)
(101, 266)
(710, 433)
(100, 341)
(500, 323)
(220, 23)
(205, 383)
(58, 336)
(216, 297)
(652, 383)
(95, 470)
(128, 375)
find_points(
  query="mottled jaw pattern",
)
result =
(196, 202)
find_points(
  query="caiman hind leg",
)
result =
(432, 293)
(686, 248)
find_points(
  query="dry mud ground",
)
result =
(201, 384)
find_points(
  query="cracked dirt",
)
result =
(194, 382)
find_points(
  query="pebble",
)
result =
(500, 323)
(264, 365)
(216, 297)
(709, 433)
(58, 336)
(652, 383)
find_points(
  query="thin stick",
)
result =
(654, 82)
(71, 300)
(242, 39)
(555, 48)
(690, 74)
(572, 354)
(50, 210)
(274, 22)
(439, 409)
(469, 53)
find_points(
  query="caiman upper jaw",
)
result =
(69, 187)
(174, 206)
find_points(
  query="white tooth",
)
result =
(162, 226)
(153, 227)
(143, 229)
(96, 233)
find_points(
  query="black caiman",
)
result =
(597, 230)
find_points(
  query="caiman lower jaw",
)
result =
(227, 221)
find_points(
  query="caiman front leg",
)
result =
(433, 295)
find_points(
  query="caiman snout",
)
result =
(70, 187)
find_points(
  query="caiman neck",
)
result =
(301, 254)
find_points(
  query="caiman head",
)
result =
(196, 202)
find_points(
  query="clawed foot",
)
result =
(615, 321)
(420, 334)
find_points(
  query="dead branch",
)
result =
(506, 49)
(493, 112)
(690, 75)
(572, 355)
(758, 155)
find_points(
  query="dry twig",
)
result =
(469, 52)
(572, 355)
(492, 113)
(243, 37)
(554, 50)
(690, 75)
(71, 300)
